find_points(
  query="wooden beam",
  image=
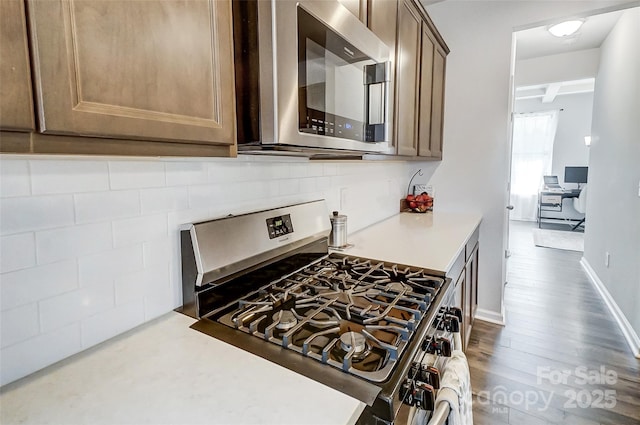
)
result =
(551, 93)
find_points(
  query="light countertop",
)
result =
(432, 240)
(164, 372)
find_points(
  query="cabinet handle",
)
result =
(509, 207)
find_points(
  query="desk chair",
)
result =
(580, 205)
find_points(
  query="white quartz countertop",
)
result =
(166, 373)
(432, 240)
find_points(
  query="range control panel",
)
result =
(279, 226)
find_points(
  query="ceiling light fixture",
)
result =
(565, 29)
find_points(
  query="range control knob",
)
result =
(420, 395)
(440, 346)
(406, 392)
(456, 312)
(450, 323)
(424, 396)
(443, 347)
(427, 374)
(434, 377)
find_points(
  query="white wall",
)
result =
(89, 246)
(574, 123)
(556, 68)
(474, 172)
(613, 206)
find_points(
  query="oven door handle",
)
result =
(377, 100)
(441, 414)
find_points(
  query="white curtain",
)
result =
(532, 152)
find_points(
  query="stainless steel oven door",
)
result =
(327, 84)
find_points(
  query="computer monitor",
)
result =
(575, 174)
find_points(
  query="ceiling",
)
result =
(536, 42)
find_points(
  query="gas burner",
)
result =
(285, 319)
(397, 287)
(355, 340)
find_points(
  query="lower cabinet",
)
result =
(470, 293)
(465, 275)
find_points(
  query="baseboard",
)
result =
(490, 316)
(627, 330)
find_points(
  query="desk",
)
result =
(552, 201)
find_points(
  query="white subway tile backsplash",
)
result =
(28, 356)
(71, 242)
(300, 170)
(19, 324)
(158, 303)
(14, 178)
(68, 176)
(224, 172)
(289, 187)
(330, 168)
(309, 184)
(106, 266)
(104, 206)
(179, 218)
(139, 229)
(205, 196)
(17, 252)
(323, 183)
(105, 325)
(164, 199)
(159, 296)
(74, 306)
(35, 213)
(107, 238)
(160, 251)
(136, 174)
(131, 287)
(37, 283)
(186, 173)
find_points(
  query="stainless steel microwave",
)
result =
(310, 79)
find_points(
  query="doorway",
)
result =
(554, 80)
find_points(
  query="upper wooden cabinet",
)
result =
(420, 60)
(146, 70)
(432, 72)
(407, 78)
(16, 105)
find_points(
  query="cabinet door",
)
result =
(407, 69)
(437, 102)
(474, 283)
(426, 94)
(459, 301)
(470, 293)
(153, 69)
(16, 107)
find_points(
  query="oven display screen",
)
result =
(279, 226)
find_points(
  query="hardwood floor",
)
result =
(559, 334)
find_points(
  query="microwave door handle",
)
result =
(376, 80)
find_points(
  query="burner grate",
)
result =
(354, 314)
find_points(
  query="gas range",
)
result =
(265, 282)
